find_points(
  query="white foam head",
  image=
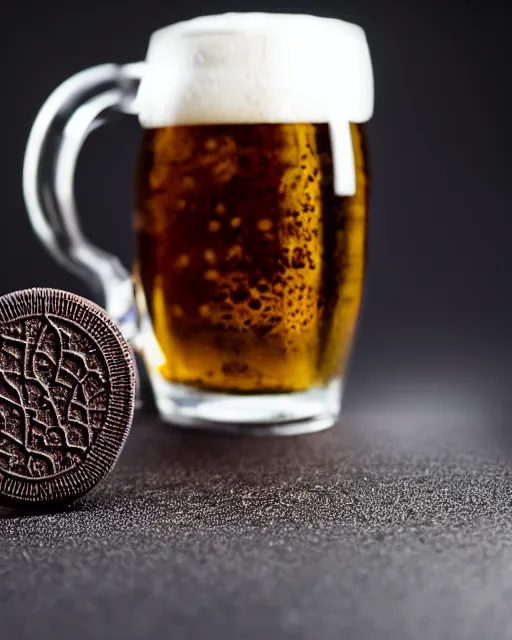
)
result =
(256, 67)
(261, 68)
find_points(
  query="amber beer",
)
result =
(249, 265)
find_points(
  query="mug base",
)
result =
(283, 414)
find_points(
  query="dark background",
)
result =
(434, 332)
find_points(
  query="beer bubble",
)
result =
(255, 304)
(265, 224)
(209, 256)
(183, 261)
(234, 253)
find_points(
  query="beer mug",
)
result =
(249, 213)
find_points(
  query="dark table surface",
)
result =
(329, 535)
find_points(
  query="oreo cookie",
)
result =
(67, 389)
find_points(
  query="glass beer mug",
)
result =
(249, 217)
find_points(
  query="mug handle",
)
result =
(78, 106)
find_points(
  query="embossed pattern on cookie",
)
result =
(67, 387)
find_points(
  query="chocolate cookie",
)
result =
(67, 387)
